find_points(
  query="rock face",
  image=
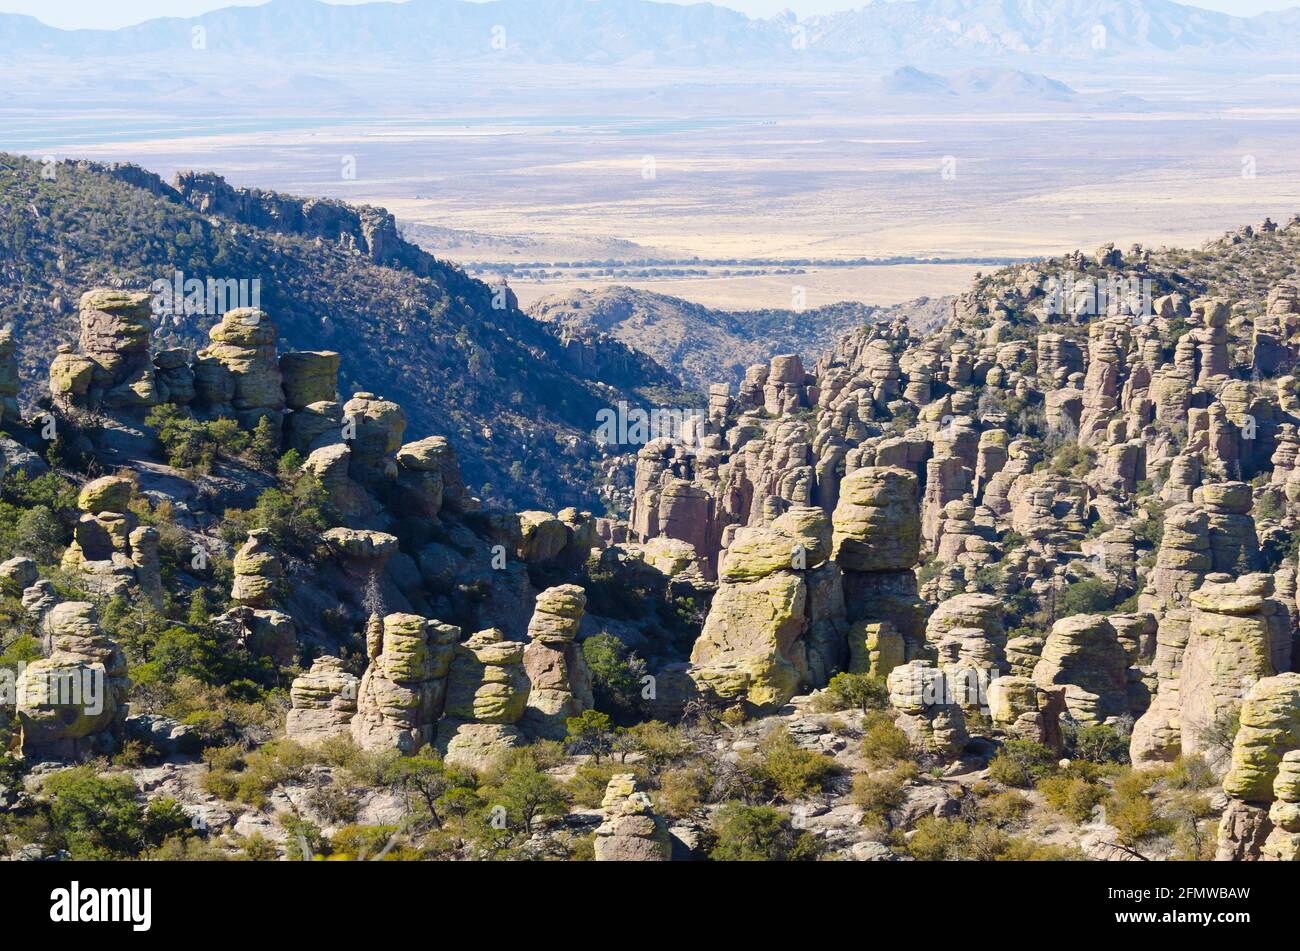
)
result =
(9, 382)
(877, 523)
(926, 711)
(309, 377)
(1083, 654)
(404, 689)
(875, 648)
(1270, 729)
(557, 672)
(1026, 710)
(1283, 843)
(243, 346)
(376, 426)
(487, 694)
(753, 646)
(876, 544)
(257, 571)
(1239, 633)
(110, 550)
(966, 634)
(72, 703)
(324, 701)
(115, 331)
(631, 831)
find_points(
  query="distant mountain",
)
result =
(639, 32)
(702, 344)
(517, 399)
(983, 82)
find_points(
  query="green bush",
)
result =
(1097, 743)
(1071, 794)
(1131, 811)
(191, 444)
(1021, 763)
(95, 817)
(791, 772)
(616, 673)
(759, 834)
(883, 741)
(879, 793)
(854, 692)
(1088, 596)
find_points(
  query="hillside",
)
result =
(1045, 561)
(516, 401)
(704, 344)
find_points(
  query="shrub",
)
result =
(683, 790)
(937, 840)
(883, 741)
(657, 743)
(587, 787)
(295, 515)
(616, 673)
(1097, 743)
(1131, 811)
(877, 794)
(789, 771)
(39, 535)
(854, 692)
(1088, 596)
(1071, 794)
(191, 444)
(759, 834)
(1190, 772)
(95, 817)
(1005, 808)
(590, 732)
(370, 844)
(1021, 763)
(526, 794)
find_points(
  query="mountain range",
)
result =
(644, 33)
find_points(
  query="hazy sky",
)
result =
(114, 13)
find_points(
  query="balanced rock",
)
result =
(631, 831)
(257, 570)
(404, 689)
(487, 694)
(324, 701)
(73, 701)
(1083, 654)
(560, 681)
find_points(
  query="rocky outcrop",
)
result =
(110, 550)
(487, 694)
(772, 598)
(241, 361)
(1283, 842)
(73, 701)
(1238, 634)
(560, 682)
(257, 570)
(114, 369)
(1083, 654)
(631, 831)
(324, 701)
(1270, 728)
(405, 687)
(926, 709)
